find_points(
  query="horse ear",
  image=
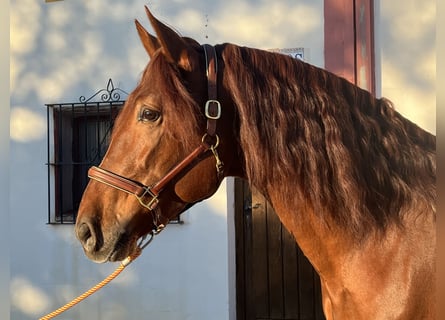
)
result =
(149, 42)
(174, 47)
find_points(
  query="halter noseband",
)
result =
(212, 111)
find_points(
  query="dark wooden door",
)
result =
(274, 278)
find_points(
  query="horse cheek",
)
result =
(199, 183)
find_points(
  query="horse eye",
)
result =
(149, 115)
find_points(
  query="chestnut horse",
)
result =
(348, 176)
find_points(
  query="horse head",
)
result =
(164, 147)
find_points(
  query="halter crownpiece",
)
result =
(212, 111)
(212, 108)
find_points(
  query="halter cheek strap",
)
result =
(212, 107)
(148, 196)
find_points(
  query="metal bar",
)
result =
(71, 167)
(48, 162)
(59, 212)
(97, 134)
(109, 125)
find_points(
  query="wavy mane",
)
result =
(318, 138)
(314, 137)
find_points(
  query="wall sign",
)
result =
(297, 53)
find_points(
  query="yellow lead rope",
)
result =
(104, 282)
(101, 284)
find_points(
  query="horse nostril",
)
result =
(86, 236)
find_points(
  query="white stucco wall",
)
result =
(406, 57)
(65, 49)
(4, 162)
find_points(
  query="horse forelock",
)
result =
(181, 112)
(316, 137)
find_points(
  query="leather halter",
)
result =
(212, 111)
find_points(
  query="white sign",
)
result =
(296, 53)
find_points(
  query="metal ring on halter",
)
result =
(159, 228)
(214, 146)
(141, 245)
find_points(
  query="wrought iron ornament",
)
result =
(110, 94)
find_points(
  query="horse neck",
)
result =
(321, 239)
(330, 248)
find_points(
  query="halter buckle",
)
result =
(208, 112)
(151, 205)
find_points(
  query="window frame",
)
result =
(64, 152)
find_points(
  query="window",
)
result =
(78, 137)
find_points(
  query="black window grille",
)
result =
(78, 137)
